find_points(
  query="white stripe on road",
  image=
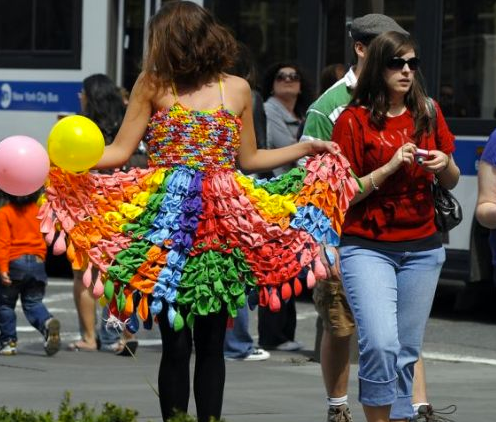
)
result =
(446, 357)
(301, 315)
(449, 357)
(73, 336)
(150, 342)
(52, 282)
(25, 329)
(59, 297)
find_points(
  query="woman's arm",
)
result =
(5, 235)
(444, 167)
(348, 134)
(133, 126)
(485, 210)
(440, 161)
(404, 155)
(253, 160)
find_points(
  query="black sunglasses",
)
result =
(397, 63)
(292, 76)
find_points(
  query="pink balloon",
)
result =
(24, 165)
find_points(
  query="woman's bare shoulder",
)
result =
(237, 93)
(236, 83)
(156, 92)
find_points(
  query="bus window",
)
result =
(40, 34)
(468, 71)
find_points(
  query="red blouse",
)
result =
(403, 208)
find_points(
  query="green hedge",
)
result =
(81, 413)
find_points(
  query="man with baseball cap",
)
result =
(329, 296)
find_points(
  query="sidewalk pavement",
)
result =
(287, 387)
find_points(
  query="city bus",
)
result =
(48, 47)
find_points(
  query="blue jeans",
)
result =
(390, 294)
(238, 342)
(108, 335)
(28, 282)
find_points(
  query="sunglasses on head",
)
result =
(292, 76)
(397, 63)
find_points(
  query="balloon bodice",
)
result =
(205, 140)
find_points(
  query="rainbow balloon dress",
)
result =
(192, 232)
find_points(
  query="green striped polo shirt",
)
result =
(323, 113)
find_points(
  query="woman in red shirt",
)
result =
(397, 141)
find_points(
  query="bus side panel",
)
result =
(28, 112)
(464, 243)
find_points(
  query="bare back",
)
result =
(222, 93)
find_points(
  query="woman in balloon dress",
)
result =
(183, 241)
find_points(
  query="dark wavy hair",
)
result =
(306, 95)
(372, 91)
(187, 46)
(104, 104)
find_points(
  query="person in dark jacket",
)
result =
(238, 343)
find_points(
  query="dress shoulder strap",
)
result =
(174, 91)
(221, 89)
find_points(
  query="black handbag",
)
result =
(448, 209)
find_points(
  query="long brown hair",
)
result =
(187, 46)
(372, 91)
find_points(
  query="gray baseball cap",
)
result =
(373, 24)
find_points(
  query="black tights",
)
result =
(210, 370)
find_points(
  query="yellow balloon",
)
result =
(75, 143)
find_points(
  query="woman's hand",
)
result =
(436, 162)
(403, 155)
(318, 146)
(330, 259)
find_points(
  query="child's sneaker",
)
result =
(9, 348)
(257, 354)
(52, 336)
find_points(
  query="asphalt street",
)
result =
(287, 387)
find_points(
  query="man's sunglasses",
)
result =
(292, 77)
(397, 63)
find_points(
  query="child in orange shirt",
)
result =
(22, 273)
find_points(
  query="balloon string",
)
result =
(113, 323)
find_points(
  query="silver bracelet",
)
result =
(371, 176)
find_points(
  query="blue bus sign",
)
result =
(40, 96)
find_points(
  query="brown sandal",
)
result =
(81, 346)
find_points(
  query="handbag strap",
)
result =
(432, 113)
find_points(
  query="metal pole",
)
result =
(146, 15)
(120, 42)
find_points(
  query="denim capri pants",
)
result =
(390, 294)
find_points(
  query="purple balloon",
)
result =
(24, 165)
